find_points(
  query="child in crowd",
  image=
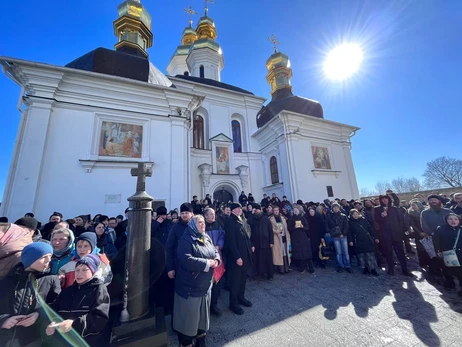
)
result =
(84, 306)
(62, 241)
(19, 313)
(85, 244)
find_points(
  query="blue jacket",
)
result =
(174, 237)
(57, 263)
(216, 233)
(194, 277)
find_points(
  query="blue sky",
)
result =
(405, 98)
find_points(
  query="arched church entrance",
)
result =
(222, 195)
(225, 191)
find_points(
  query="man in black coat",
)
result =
(262, 238)
(239, 256)
(390, 222)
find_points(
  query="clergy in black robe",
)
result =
(262, 238)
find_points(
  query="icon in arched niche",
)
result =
(222, 160)
(321, 158)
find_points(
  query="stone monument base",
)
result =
(149, 331)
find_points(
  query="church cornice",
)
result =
(98, 90)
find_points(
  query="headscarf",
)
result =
(193, 227)
(69, 246)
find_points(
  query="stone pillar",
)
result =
(139, 245)
(243, 175)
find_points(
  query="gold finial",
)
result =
(206, 7)
(191, 12)
(275, 42)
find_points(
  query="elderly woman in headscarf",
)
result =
(62, 241)
(413, 216)
(197, 257)
(13, 239)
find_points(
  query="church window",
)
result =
(330, 192)
(198, 132)
(237, 136)
(201, 71)
(274, 170)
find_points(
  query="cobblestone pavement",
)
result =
(332, 309)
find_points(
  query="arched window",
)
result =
(186, 73)
(274, 170)
(198, 132)
(201, 71)
(237, 137)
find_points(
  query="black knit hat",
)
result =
(161, 211)
(256, 206)
(27, 222)
(186, 207)
(235, 205)
(434, 196)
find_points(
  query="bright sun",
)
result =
(343, 61)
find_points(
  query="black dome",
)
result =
(284, 100)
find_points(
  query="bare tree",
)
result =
(365, 192)
(443, 172)
(382, 186)
(406, 185)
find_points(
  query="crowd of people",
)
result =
(68, 274)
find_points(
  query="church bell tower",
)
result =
(279, 71)
(205, 58)
(133, 29)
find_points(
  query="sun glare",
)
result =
(343, 61)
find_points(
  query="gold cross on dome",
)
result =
(275, 42)
(206, 7)
(191, 13)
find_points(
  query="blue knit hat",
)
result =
(91, 261)
(33, 252)
(88, 236)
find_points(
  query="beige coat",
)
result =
(278, 255)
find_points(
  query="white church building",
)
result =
(84, 125)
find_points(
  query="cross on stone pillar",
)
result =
(141, 172)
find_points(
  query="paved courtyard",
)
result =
(334, 309)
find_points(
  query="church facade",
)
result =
(84, 125)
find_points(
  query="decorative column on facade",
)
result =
(206, 173)
(243, 175)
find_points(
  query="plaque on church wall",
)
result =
(222, 160)
(120, 140)
(113, 199)
(321, 157)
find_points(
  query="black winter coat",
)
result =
(237, 242)
(445, 238)
(316, 230)
(49, 287)
(262, 235)
(88, 306)
(336, 224)
(299, 236)
(391, 226)
(18, 298)
(174, 237)
(362, 235)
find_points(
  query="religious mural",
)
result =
(222, 158)
(321, 158)
(120, 140)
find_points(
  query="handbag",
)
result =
(325, 252)
(427, 243)
(219, 271)
(450, 257)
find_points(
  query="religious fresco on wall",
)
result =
(321, 158)
(120, 140)
(222, 160)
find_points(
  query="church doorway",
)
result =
(222, 195)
